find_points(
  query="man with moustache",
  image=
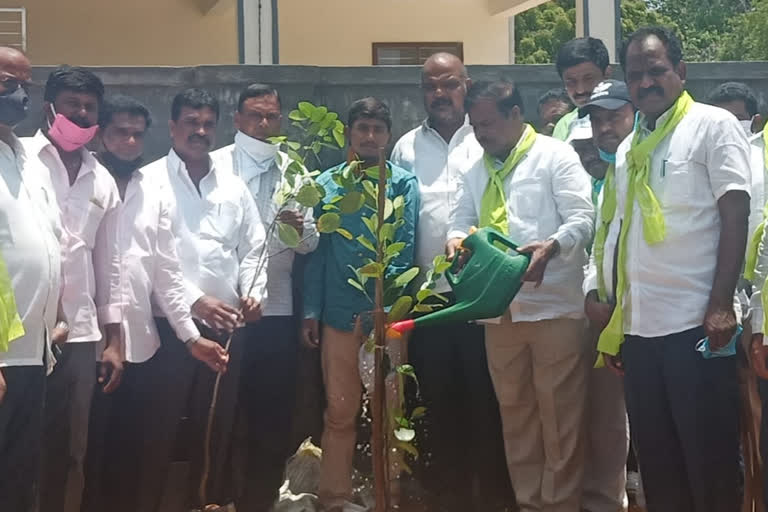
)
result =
(464, 439)
(219, 241)
(679, 209)
(141, 242)
(87, 198)
(29, 247)
(268, 381)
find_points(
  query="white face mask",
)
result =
(747, 125)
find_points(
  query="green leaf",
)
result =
(388, 209)
(372, 270)
(371, 223)
(308, 195)
(318, 114)
(307, 108)
(405, 435)
(352, 202)
(418, 412)
(366, 243)
(373, 172)
(408, 448)
(288, 234)
(424, 294)
(400, 309)
(328, 222)
(330, 207)
(406, 277)
(296, 115)
(423, 308)
(343, 232)
(399, 205)
(407, 370)
(355, 284)
(387, 232)
(395, 248)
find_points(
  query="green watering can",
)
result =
(486, 284)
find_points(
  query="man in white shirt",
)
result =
(87, 196)
(220, 243)
(681, 241)
(534, 188)
(29, 247)
(140, 240)
(464, 438)
(268, 381)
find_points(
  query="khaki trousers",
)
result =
(343, 393)
(540, 373)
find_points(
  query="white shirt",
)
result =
(263, 179)
(84, 206)
(29, 243)
(139, 240)
(757, 199)
(670, 282)
(219, 234)
(438, 166)
(548, 195)
(761, 269)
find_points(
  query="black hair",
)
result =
(665, 34)
(735, 91)
(256, 91)
(120, 104)
(579, 50)
(369, 108)
(193, 98)
(505, 94)
(76, 79)
(558, 93)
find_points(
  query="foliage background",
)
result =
(711, 30)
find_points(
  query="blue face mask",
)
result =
(607, 157)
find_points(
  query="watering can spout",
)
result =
(484, 286)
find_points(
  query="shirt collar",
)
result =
(643, 120)
(42, 143)
(462, 132)
(177, 165)
(500, 163)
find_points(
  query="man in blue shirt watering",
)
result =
(329, 299)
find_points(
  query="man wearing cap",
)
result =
(678, 206)
(611, 117)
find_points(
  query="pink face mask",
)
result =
(67, 135)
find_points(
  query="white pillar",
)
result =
(257, 31)
(600, 19)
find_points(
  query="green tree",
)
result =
(540, 31)
(747, 37)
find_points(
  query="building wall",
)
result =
(340, 32)
(129, 32)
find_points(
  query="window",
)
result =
(393, 54)
(13, 27)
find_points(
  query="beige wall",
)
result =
(340, 32)
(129, 32)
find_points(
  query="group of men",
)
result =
(129, 281)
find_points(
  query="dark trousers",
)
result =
(267, 398)
(462, 439)
(683, 412)
(184, 390)
(762, 387)
(21, 431)
(69, 391)
(120, 425)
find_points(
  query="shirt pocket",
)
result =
(676, 183)
(83, 221)
(525, 198)
(221, 222)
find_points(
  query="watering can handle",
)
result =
(495, 236)
(452, 275)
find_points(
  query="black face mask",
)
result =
(119, 167)
(13, 106)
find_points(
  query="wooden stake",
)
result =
(380, 435)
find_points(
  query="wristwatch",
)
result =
(191, 341)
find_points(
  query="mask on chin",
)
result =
(119, 167)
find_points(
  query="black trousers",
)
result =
(267, 399)
(122, 424)
(21, 431)
(461, 442)
(684, 415)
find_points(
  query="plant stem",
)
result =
(380, 436)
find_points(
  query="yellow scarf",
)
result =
(757, 236)
(654, 229)
(493, 206)
(10, 322)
